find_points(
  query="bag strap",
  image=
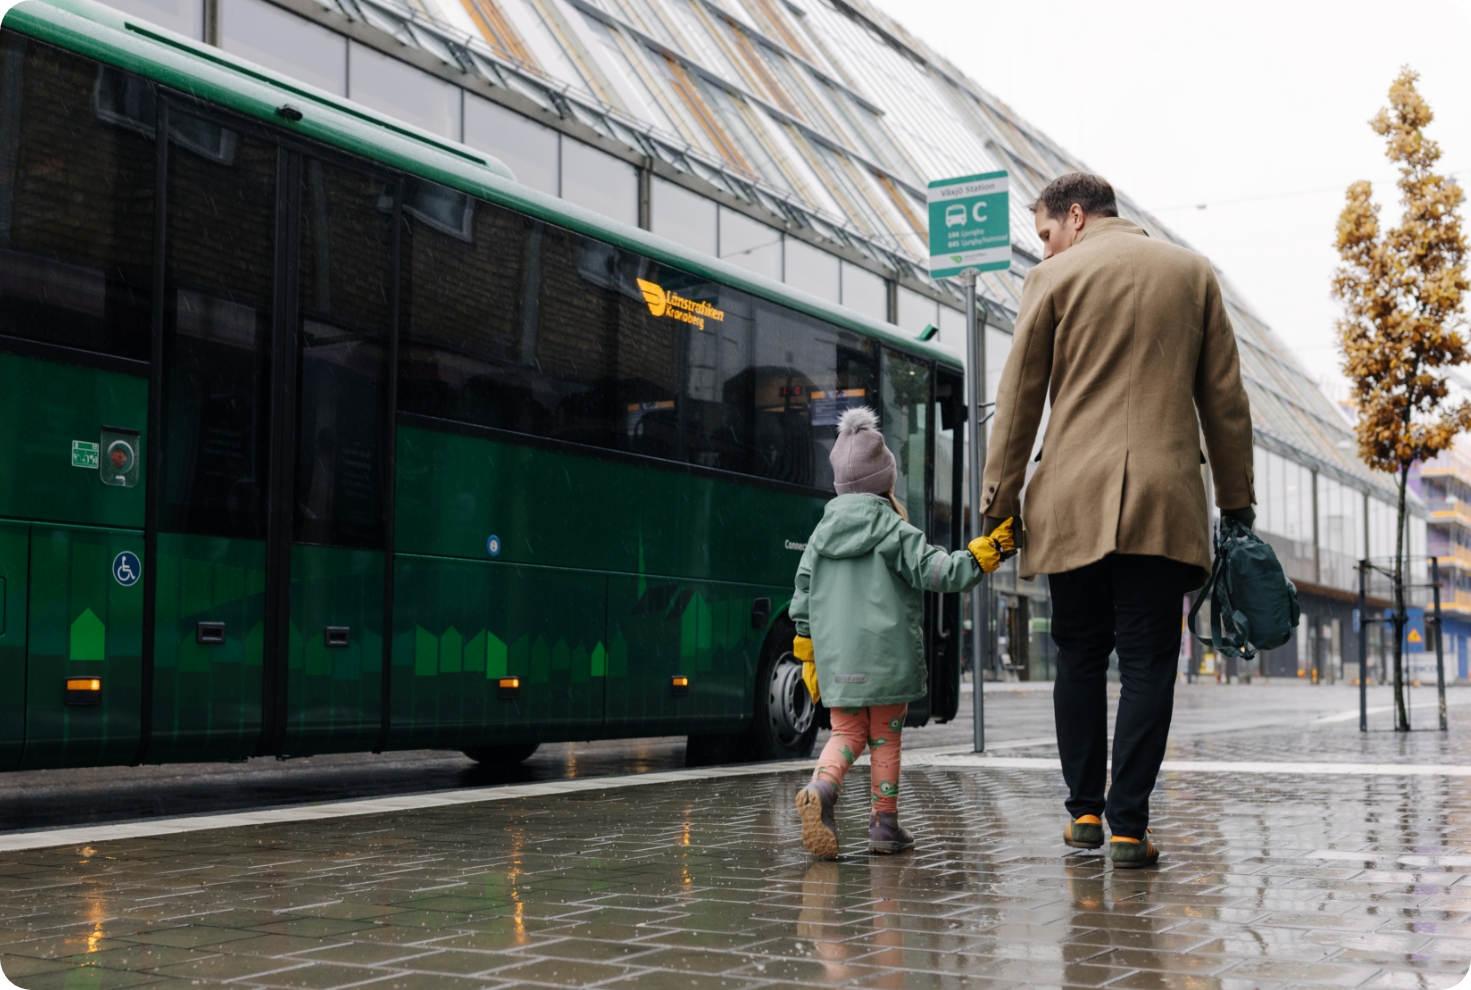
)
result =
(1210, 585)
(1237, 645)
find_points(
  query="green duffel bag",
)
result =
(1253, 604)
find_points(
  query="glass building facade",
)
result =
(795, 138)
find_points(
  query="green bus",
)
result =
(322, 434)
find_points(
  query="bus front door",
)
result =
(217, 325)
(329, 692)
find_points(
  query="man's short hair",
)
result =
(1091, 192)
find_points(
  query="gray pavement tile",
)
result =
(1156, 980)
(188, 936)
(695, 960)
(560, 972)
(364, 954)
(16, 965)
(227, 967)
(686, 938)
(490, 941)
(1326, 973)
(317, 976)
(900, 979)
(138, 956)
(822, 969)
(90, 978)
(1403, 980)
(279, 945)
(459, 961)
(1252, 944)
(387, 934)
(1043, 972)
(599, 950)
(436, 981)
(313, 927)
(682, 980)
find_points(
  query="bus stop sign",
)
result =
(970, 224)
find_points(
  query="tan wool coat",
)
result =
(1129, 337)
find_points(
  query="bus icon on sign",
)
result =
(127, 568)
(955, 215)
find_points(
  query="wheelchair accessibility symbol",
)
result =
(127, 568)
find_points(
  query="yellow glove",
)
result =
(802, 650)
(990, 550)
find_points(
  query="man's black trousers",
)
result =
(1132, 604)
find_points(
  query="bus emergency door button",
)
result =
(338, 637)
(118, 463)
(209, 633)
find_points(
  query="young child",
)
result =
(858, 608)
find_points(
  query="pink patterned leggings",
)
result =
(879, 728)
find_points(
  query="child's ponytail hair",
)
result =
(898, 507)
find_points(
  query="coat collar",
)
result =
(1110, 225)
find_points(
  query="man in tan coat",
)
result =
(1129, 337)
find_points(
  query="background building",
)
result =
(1445, 486)
(795, 138)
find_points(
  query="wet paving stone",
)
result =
(1267, 882)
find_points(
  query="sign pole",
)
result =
(1439, 650)
(970, 233)
(1361, 626)
(980, 595)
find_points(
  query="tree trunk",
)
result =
(1401, 617)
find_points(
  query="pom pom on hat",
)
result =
(862, 463)
(858, 418)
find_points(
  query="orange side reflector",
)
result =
(84, 684)
(681, 681)
(510, 682)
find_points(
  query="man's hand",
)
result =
(1246, 516)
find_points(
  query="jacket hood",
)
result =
(853, 525)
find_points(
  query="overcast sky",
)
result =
(1258, 109)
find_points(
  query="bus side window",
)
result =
(807, 373)
(466, 352)
(77, 163)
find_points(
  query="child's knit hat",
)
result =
(862, 465)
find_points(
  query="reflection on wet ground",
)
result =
(1014, 712)
(1267, 881)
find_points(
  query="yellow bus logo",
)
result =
(677, 307)
(654, 296)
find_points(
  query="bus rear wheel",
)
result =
(785, 725)
(505, 755)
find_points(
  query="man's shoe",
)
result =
(886, 835)
(1132, 854)
(819, 825)
(1084, 832)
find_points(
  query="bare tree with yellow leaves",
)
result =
(1402, 290)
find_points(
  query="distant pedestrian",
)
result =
(858, 607)
(1129, 336)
